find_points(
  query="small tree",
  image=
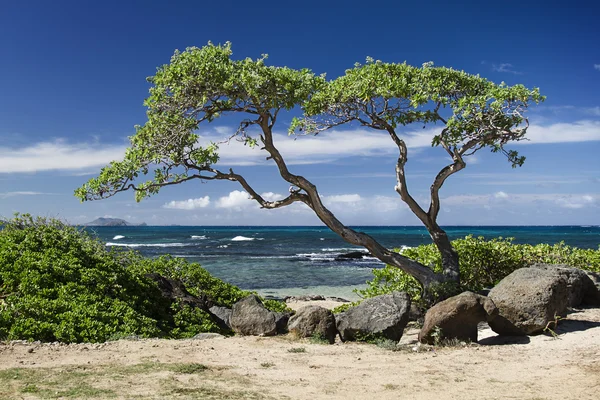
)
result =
(201, 84)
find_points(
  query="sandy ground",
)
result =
(539, 367)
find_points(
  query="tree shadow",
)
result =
(574, 325)
(499, 340)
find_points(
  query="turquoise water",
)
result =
(290, 260)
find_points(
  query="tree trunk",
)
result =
(450, 266)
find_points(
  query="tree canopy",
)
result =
(202, 84)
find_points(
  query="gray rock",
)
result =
(382, 316)
(580, 286)
(208, 335)
(457, 317)
(528, 299)
(313, 320)
(250, 317)
(306, 297)
(222, 315)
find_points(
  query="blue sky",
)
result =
(73, 81)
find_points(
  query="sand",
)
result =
(538, 367)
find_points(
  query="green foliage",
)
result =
(384, 96)
(58, 283)
(483, 263)
(198, 85)
(276, 305)
(196, 279)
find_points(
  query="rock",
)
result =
(415, 313)
(313, 320)
(250, 317)
(457, 317)
(353, 255)
(221, 315)
(208, 335)
(174, 290)
(382, 316)
(580, 286)
(528, 299)
(306, 297)
(339, 299)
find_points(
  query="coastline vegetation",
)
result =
(59, 283)
(483, 263)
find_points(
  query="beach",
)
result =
(536, 367)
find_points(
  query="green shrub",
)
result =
(58, 283)
(483, 263)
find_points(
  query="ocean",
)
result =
(279, 261)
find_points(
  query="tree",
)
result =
(201, 84)
(474, 113)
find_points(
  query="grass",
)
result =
(142, 381)
(297, 350)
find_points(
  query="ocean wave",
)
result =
(147, 244)
(241, 239)
(223, 246)
(118, 237)
(198, 237)
(343, 249)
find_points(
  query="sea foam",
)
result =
(118, 237)
(241, 239)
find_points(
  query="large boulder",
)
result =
(250, 317)
(528, 299)
(382, 316)
(580, 286)
(313, 320)
(457, 317)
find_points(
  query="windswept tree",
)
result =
(202, 84)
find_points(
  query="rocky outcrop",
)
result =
(250, 317)
(382, 316)
(353, 255)
(527, 300)
(457, 317)
(311, 321)
(580, 287)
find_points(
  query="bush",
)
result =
(58, 283)
(483, 263)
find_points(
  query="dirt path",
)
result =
(539, 367)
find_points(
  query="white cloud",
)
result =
(323, 148)
(580, 131)
(597, 67)
(505, 67)
(189, 204)
(342, 198)
(595, 111)
(563, 200)
(236, 200)
(57, 155)
(5, 195)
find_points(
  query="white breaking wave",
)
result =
(241, 239)
(118, 237)
(343, 249)
(147, 244)
(223, 246)
(198, 237)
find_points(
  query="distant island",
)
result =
(111, 222)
